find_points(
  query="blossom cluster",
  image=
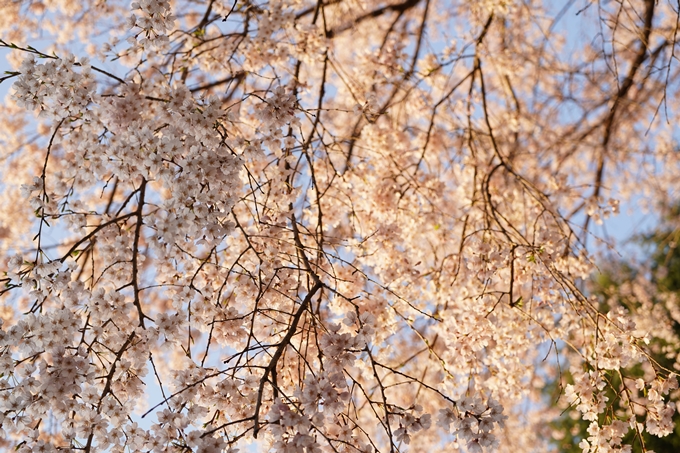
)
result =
(155, 21)
(59, 88)
(473, 422)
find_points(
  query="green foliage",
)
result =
(663, 271)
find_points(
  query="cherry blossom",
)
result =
(346, 225)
